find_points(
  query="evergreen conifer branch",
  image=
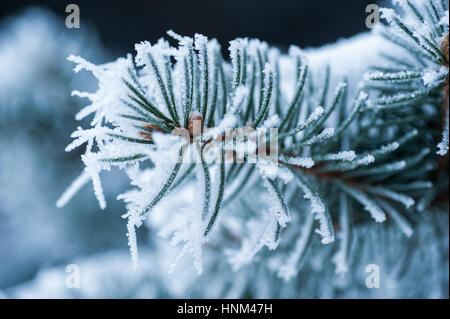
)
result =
(369, 148)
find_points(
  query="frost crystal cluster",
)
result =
(276, 149)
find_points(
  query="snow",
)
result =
(291, 267)
(444, 20)
(268, 77)
(275, 206)
(369, 205)
(76, 185)
(319, 210)
(340, 259)
(93, 169)
(322, 136)
(387, 248)
(134, 221)
(314, 116)
(348, 58)
(347, 156)
(306, 162)
(443, 145)
(407, 201)
(396, 77)
(235, 48)
(434, 78)
(388, 14)
(401, 221)
(384, 149)
(262, 234)
(366, 160)
(230, 119)
(196, 227)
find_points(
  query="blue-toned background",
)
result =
(37, 240)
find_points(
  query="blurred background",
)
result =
(120, 24)
(37, 240)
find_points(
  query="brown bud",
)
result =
(150, 127)
(445, 48)
(146, 135)
(195, 124)
(153, 127)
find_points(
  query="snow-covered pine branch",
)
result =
(344, 141)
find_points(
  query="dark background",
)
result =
(281, 22)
